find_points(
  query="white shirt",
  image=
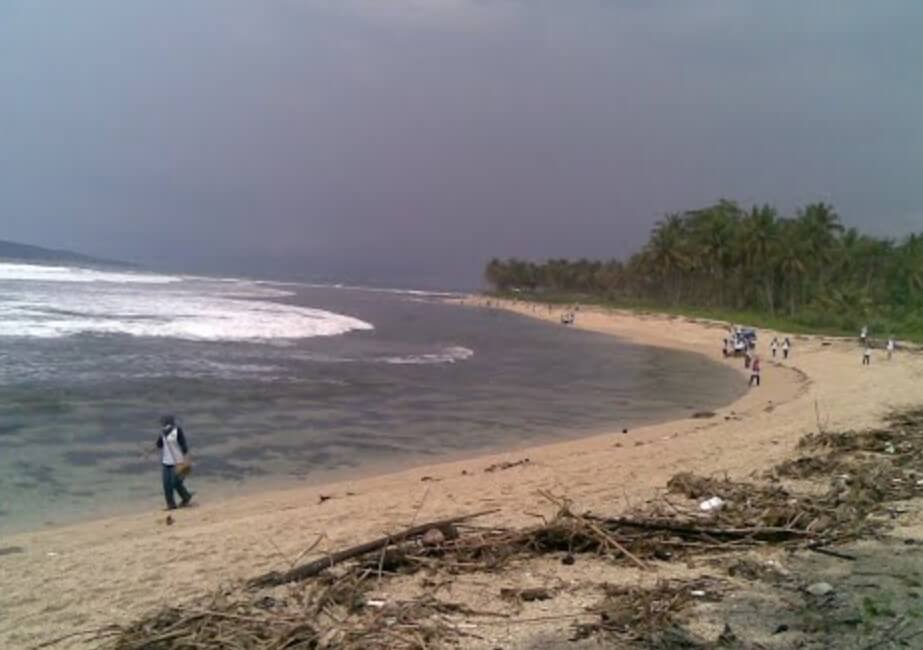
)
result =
(172, 454)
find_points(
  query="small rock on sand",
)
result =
(820, 589)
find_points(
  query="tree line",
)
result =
(806, 267)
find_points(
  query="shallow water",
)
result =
(430, 379)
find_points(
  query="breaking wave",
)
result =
(55, 302)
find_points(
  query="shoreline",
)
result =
(368, 468)
(235, 539)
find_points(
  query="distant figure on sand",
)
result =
(774, 346)
(174, 462)
(864, 334)
(867, 355)
(890, 347)
(755, 370)
(786, 345)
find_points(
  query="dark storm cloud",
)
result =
(407, 140)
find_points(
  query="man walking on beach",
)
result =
(867, 355)
(786, 344)
(174, 464)
(890, 347)
(774, 346)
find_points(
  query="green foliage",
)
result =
(805, 272)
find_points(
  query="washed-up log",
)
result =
(311, 569)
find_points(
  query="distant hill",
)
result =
(12, 251)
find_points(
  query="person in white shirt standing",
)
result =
(890, 347)
(174, 464)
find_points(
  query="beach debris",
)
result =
(51, 554)
(624, 430)
(701, 415)
(711, 505)
(11, 550)
(529, 595)
(433, 537)
(323, 497)
(499, 467)
(427, 479)
(646, 615)
(326, 601)
(169, 520)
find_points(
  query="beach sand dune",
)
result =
(60, 580)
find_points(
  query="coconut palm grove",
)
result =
(805, 271)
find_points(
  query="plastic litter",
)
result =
(712, 505)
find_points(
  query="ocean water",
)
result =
(278, 384)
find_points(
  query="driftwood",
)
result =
(760, 533)
(311, 569)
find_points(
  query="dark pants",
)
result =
(173, 482)
(754, 379)
(785, 353)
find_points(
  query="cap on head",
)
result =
(167, 421)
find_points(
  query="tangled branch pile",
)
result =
(867, 467)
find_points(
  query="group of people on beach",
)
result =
(741, 342)
(866, 343)
(785, 346)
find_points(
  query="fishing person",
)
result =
(174, 461)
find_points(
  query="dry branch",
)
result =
(311, 569)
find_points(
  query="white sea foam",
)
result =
(402, 292)
(449, 355)
(38, 273)
(52, 304)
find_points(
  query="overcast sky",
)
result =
(408, 141)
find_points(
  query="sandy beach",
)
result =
(61, 580)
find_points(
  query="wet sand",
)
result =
(109, 571)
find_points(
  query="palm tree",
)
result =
(666, 250)
(791, 259)
(759, 241)
(820, 227)
(712, 232)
